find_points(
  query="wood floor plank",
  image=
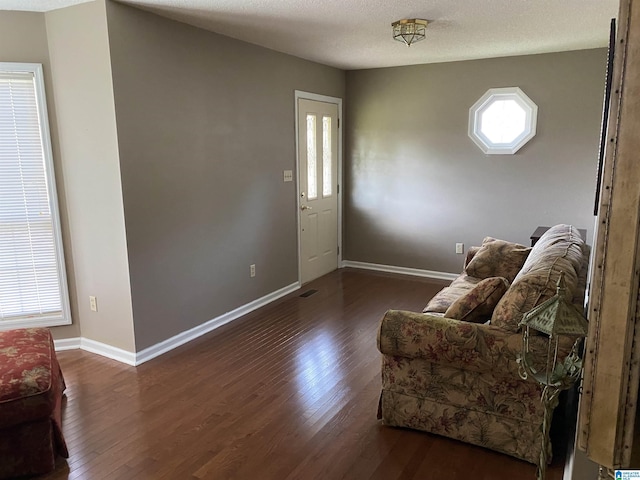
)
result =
(287, 391)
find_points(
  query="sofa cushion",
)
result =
(560, 249)
(445, 297)
(471, 252)
(31, 386)
(477, 305)
(498, 258)
(29, 375)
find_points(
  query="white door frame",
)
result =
(338, 101)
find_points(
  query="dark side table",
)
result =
(535, 236)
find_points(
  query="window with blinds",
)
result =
(33, 287)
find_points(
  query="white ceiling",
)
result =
(37, 5)
(354, 34)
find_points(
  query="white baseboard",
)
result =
(184, 337)
(108, 351)
(92, 346)
(153, 351)
(67, 344)
(401, 270)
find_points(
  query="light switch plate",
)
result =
(288, 175)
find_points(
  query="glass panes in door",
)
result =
(313, 169)
(326, 156)
(312, 176)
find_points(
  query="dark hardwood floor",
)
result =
(287, 392)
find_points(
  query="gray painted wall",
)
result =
(415, 182)
(205, 129)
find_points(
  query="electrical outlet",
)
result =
(252, 270)
(93, 303)
(459, 247)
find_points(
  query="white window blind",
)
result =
(33, 289)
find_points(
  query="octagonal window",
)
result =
(503, 120)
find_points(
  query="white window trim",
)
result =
(41, 101)
(508, 93)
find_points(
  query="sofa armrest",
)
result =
(456, 343)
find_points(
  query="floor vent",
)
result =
(308, 293)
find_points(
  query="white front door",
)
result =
(318, 187)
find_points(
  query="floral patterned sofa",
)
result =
(31, 387)
(452, 369)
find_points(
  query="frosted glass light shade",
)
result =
(409, 31)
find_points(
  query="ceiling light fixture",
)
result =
(409, 31)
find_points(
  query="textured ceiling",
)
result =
(353, 34)
(37, 5)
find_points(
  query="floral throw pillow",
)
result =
(498, 258)
(477, 305)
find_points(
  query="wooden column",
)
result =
(610, 388)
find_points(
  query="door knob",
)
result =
(305, 207)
